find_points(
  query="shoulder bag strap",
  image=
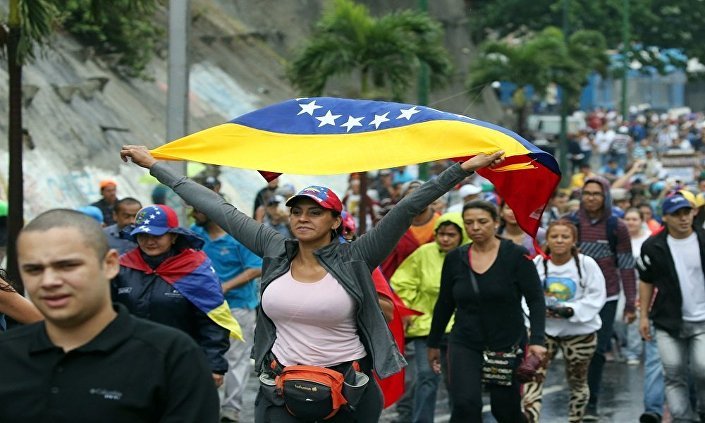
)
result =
(476, 290)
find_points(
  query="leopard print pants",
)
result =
(577, 352)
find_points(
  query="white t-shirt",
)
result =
(586, 295)
(638, 241)
(686, 257)
(603, 140)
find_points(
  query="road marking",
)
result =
(443, 418)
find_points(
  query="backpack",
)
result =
(611, 228)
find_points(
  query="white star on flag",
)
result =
(328, 119)
(408, 113)
(151, 216)
(146, 221)
(308, 108)
(144, 229)
(352, 122)
(379, 119)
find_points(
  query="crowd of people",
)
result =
(615, 273)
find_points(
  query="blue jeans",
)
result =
(604, 338)
(426, 387)
(653, 377)
(682, 355)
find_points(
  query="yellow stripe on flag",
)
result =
(240, 146)
(222, 316)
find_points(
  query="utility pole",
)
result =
(178, 84)
(422, 94)
(625, 58)
(563, 149)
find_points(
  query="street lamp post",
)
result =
(422, 94)
(625, 58)
(178, 84)
(563, 156)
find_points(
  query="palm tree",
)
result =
(537, 62)
(29, 21)
(386, 51)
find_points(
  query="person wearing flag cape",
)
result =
(169, 280)
(319, 305)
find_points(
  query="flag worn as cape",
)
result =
(393, 386)
(190, 273)
(323, 136)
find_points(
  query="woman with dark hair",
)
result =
(575, 293)
(158, 280)
(509, 229)
(483, 284)
(14, 305)
(319, 306)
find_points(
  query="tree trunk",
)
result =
(16, 194)
(521, 121)
(519, 100)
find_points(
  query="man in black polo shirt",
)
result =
(91, 361)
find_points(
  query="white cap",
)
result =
(469, 189)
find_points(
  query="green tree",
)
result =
(386, 51)
(539, 61)
(660, 23)
(124, 28)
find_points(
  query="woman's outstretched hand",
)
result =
(483, 160)
(139, 155)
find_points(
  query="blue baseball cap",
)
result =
(159, 219)
(156, 220)
(674, 203)
(93, 212)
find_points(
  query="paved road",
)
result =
(621, 401)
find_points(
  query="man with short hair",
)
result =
(89, 360)
(108, 192)
(678, 313)
(124, 214)
(262, 197)
(237, 268)
(605, 238)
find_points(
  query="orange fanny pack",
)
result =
(317, 393)
(311, 392)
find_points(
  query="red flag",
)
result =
(393, 386)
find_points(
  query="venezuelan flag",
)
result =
(321, 136)
(190, 272)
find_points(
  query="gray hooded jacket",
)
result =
(350, 264)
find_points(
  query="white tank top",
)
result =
(315, 322)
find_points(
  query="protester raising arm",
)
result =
(311, 271)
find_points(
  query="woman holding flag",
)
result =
(167, 279)
(319, 306)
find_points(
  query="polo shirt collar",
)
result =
(116, 332)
